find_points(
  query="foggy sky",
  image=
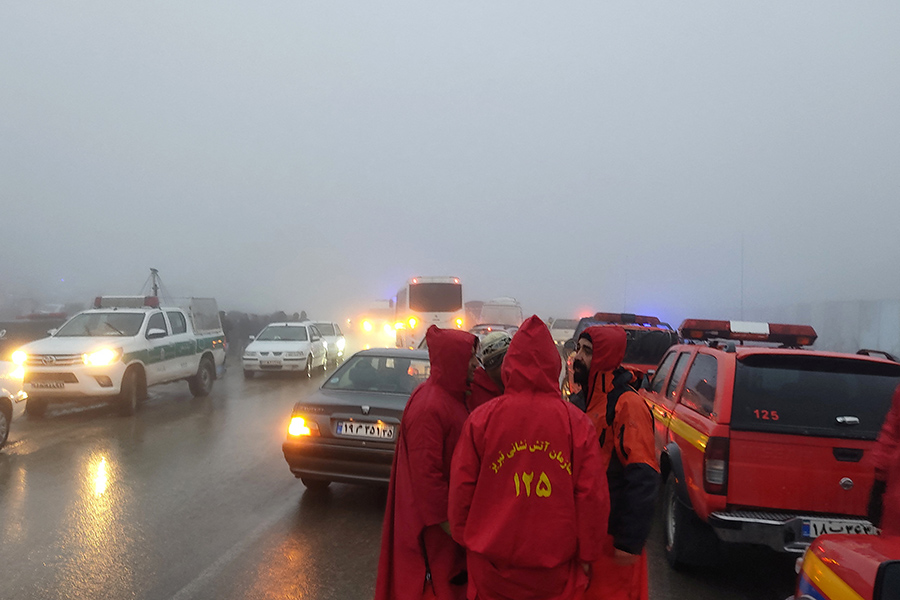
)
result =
(681, 159)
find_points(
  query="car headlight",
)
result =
(340, 343)
(293, 355)
(250, 354)
(301, 427)
(19, 357)
(102, 357)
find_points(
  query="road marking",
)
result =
(199, 583)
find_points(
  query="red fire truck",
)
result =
(763, 440)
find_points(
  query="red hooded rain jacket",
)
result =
(624, 427)
(528, 496)
(412, 541)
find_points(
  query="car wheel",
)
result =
(128, 396)
(5, 419)
(688, 540)
(307, 372)
(315, 485)
(36, 407)
(201, 384)
(248, 374)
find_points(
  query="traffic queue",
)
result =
(515, 474)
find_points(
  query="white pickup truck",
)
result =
(121, 347)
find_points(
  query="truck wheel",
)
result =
(36, 407)
(5, 418)
(201, 384)
(315, 485)
(129, 395)
(688, 540)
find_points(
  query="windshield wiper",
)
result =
(113, 327)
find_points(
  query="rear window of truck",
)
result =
(812, 395)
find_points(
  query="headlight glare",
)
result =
(102, 357)
(19, 357)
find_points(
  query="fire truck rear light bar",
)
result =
(777, 333)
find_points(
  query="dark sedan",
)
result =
(346, 431)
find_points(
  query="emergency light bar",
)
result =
(789, 335)
(626, 319)
(126, 302)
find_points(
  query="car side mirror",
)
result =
(52, 331)
(252, 337)
(155, 334)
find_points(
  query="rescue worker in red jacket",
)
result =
(528, 496)
(884, 500)
(624, 426)
(418, 556)
(487, 383)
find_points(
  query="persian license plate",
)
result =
(813, 528)
(270, 363)
(381, 431)
(48, 385)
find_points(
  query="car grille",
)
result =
(271, 353)
(53, 360)
(50, 377)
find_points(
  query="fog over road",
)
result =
(191, 499)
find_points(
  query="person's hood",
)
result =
(532, 363)
(450, 351)
(609, 349)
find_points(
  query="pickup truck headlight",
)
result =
(19, 357)
(102, 357)
(250, 354)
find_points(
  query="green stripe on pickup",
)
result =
(149, 356)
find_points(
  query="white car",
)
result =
(334, 341)
(293, 346)
(562, 330)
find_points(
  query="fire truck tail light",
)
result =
(715, 466)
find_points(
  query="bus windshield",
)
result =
(435, 297)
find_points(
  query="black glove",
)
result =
(876, 505)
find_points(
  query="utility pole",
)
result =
(154, 276)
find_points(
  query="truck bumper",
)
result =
(74, 381)
(783, 532)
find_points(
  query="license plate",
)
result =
(48, 385)
(813, 528)
(270, 363)
(381, 431)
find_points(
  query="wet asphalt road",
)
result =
(191, 499)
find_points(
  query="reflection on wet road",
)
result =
(191, 499)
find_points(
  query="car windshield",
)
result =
(282, 333)
(564, 324)
(369, 373)
(435, 297)
(325, 328)
(118, 324)
(812, 395)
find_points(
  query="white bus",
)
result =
(426, 301)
